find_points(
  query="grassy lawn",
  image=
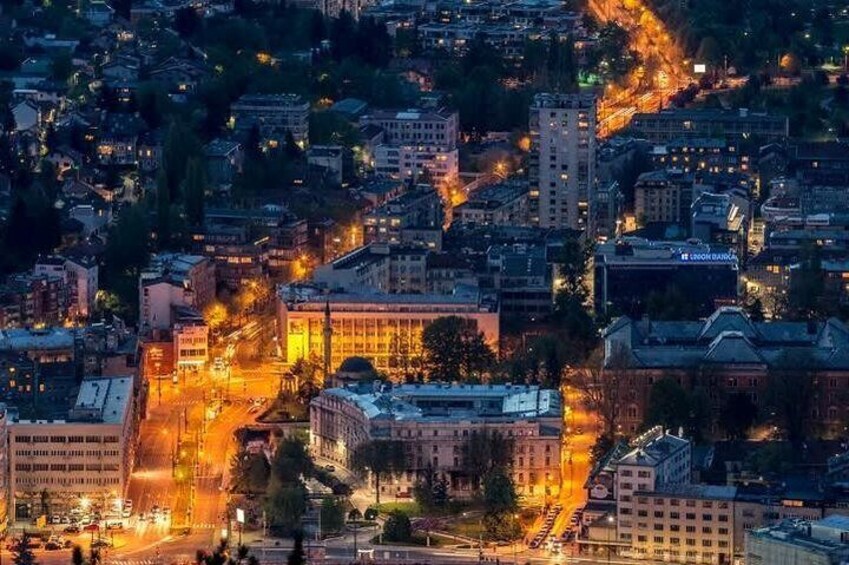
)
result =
(408, 507)
(468, 526)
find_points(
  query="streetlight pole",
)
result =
(609, 529)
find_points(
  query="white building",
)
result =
(563, 160)
(656, 460)
(434, 421)
(191, 344)
(174, 280)
(416, 141)
(274, 114)
(85, 460)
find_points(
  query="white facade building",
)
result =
(563, 160)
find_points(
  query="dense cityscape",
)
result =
(424, 282)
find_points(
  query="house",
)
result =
(224, 160)
(150, 148)
(118, 139)
(98, 14)
(179, 75)
(27, 116)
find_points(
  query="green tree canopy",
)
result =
(397, 527)
(455, 350)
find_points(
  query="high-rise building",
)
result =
(562, 164)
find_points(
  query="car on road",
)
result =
(72, 529)
(100, 543)
(114, 525)
(52, 546)
(330, 468)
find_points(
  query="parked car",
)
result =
(72, 529)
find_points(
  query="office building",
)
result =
(630, 270)
(82, 461)
(336, 326)
(275, 115)
(795, 542)
(563, 159)
(674, 124)
(173, 280)
(434, 422)
(739, 355)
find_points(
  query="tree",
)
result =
(738, 415)
(455, 350)
(669, 405)
(215, 315)
(194, 188)
(163, 210)
(297, 556)
(187, 21)
(431, 491)
(500, 504)
(382, 458)
(291, 461)
(126, 254)
(285, 505)
(332, 515)
(397, 527)
(599, 382)
(484, 451)
(790, 393)
(22, 553)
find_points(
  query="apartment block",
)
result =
(563, 160)
(174, 280)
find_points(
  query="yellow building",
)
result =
(383, 328)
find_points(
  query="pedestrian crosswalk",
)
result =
(151, 561)
(205, 526)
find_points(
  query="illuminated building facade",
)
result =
(4, 471)
(434, 421)
(85, 459)
(386, 329)
(275, 115)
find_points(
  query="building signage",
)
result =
(707, 257)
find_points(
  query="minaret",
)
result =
(328, 332)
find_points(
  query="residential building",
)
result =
(415, 142)
(673, 124)
(376, 267)
(330, 159)
(224, 161)
(563, 159)
(80, 276)
(522, 276)
(275, 115)
(710, 155)
(434, 422)
(502, 204)
(29, 299)
(4, 469)
(172, 280)
(416, 216)
(720, 219)
(629, 270)
(792, 542)
(42, 345)
(739, 355)
(82, 461)
(373, 326)
(663, 196)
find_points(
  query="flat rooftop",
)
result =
(450, 402)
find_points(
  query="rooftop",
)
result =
(436, 401)
(21, 339)
(652, 448)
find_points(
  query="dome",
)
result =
(356, 365)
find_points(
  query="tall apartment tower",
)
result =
(563, 160)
